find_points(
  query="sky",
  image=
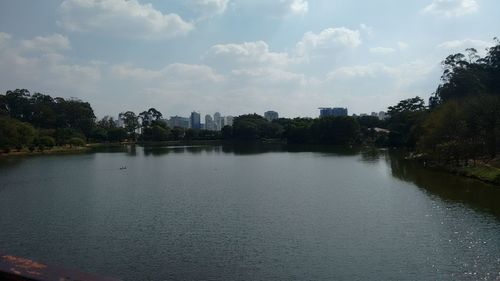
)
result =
(237, 56)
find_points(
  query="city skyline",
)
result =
(235, 55)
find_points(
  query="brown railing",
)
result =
(14, 268)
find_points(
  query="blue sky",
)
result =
(237, 56)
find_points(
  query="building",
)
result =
(335, 111)
(228, 120)
(177, 121)
(217, 121)
(195, 121)
(271, 115)
(382, 115)
(209, 123)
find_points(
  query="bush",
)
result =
(46, 141)
(76, 142)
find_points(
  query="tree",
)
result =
(404, 123)
(25, 135)
(131, 122)
(408, 105)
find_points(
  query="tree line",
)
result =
(460, 123)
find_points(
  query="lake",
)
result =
(253, 212)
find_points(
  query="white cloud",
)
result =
(176, 72)
(402, 45)
(366, 29)
(51, 43)
(4, 38)
(382, 50)
(411, 69)
(247, 53)
(121, 18)
(297, 6)
(327, 40)
(51, 73)
(209, 8)
(461, 45)
(268, 74)
(451, 8)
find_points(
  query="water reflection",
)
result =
(448, 187)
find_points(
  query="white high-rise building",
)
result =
(228, 120)
(217, 121)
(209, 123)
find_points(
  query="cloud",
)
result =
(176, 72)
(461, 45)
(382, 50)
(247, 53)
(296, 6)
(368, 30)
(128, 19)
(411, 69)
(327, 40)
(4, 38)
(402, 45)
(50, 43)
(47, 72)
(267, 74)
(209, 8)
(451, 8)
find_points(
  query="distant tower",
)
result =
(271, 115)
(209, 123)
(229, 120)
(217, 121)
(335, 111)
(194, 120)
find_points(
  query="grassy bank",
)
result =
(54, 150)
(483, 172)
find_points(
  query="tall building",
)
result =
(177, 121)
(382, 115)
(335, 111)
(209, 123)
(228, 120)
(217, 121)
(271, 115)
(194, 121)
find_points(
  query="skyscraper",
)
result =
(194, 120)
(229, 120)
(271, 115)
(217, 121)
(209, 123)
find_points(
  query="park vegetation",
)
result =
(460, 125)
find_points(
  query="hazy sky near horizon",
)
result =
(237, 56)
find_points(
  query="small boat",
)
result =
(123, 168)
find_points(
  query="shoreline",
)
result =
(482, 172)
(487, 173)
(53, 151)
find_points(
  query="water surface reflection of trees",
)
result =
(448, 187)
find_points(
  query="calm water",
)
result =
(258, 213)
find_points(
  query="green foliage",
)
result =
(335, 130)
(116, 134)
(405, 122)
(45, 142)
(43, 111)
(15, 134)
(255, 127)
(415, 104)
(464, 123)
(131, 122)
(76, 142)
